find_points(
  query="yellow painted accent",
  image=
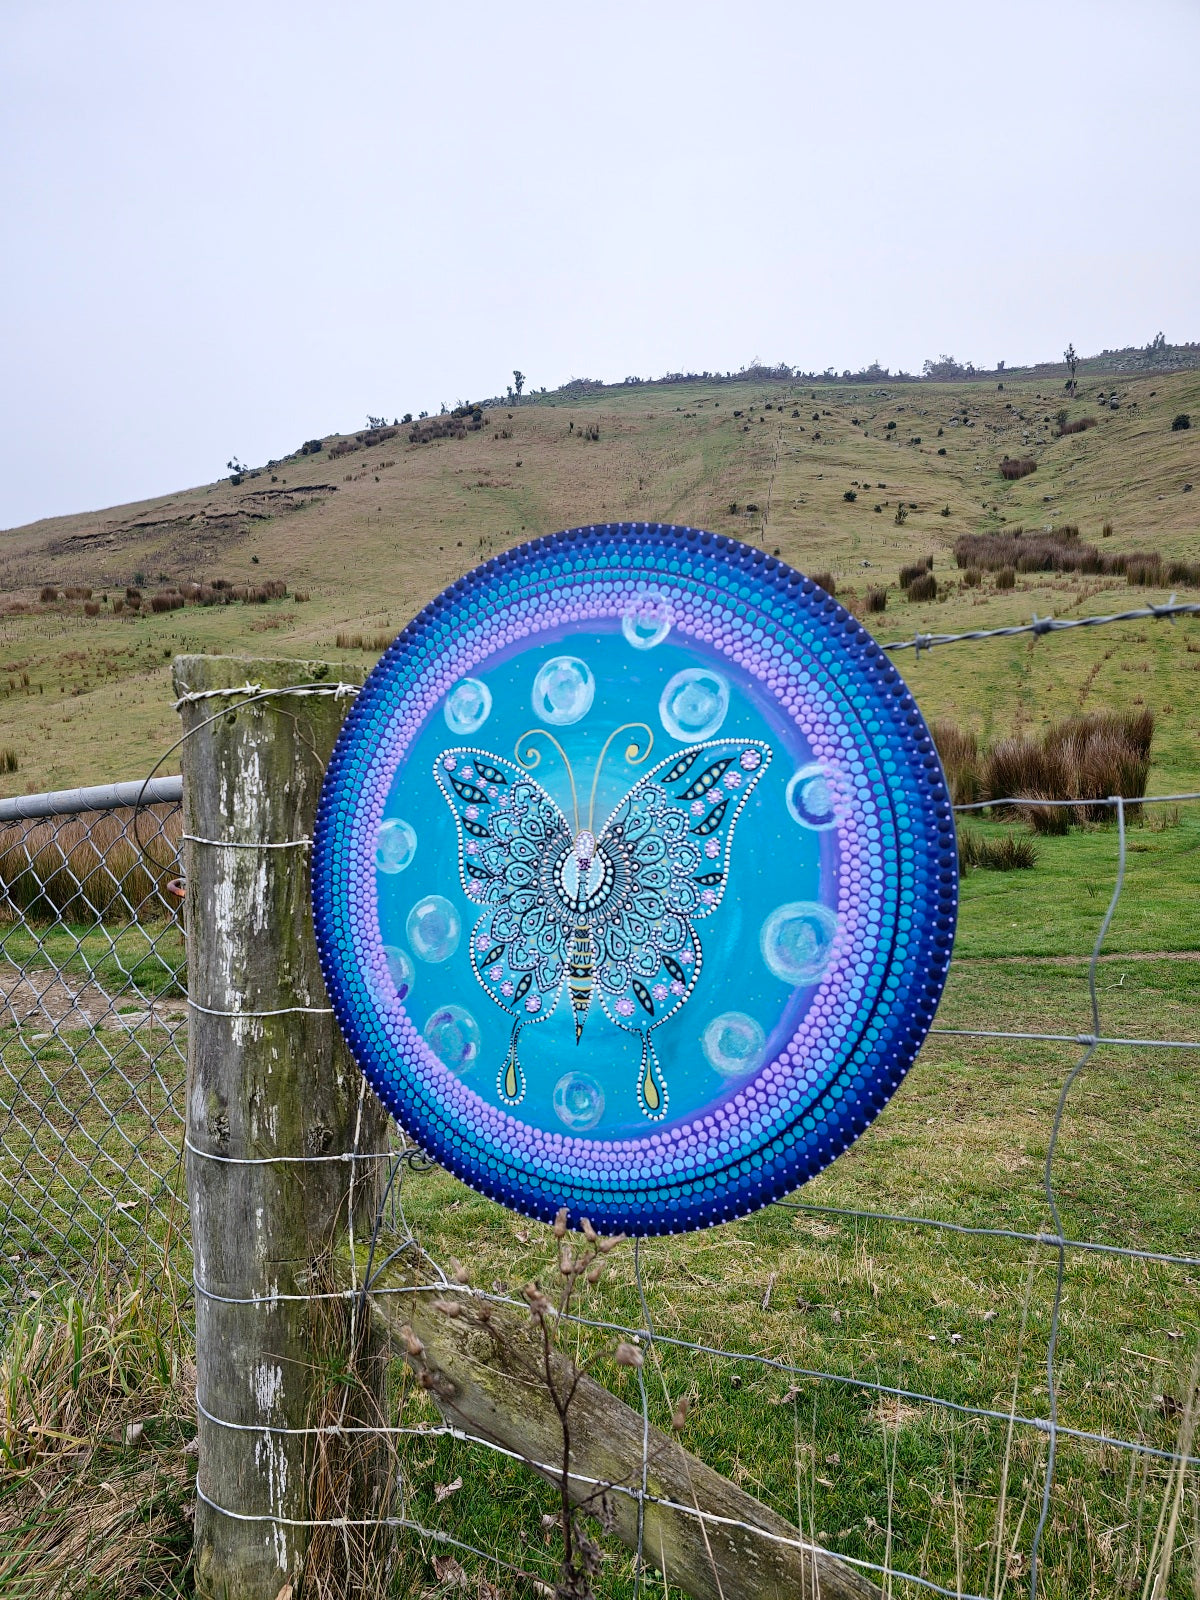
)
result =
(631, 755)
(650, 1092)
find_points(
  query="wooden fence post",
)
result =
(268, 1077)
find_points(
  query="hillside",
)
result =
(368, 527)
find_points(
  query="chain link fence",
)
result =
(93, 1045)
(92, 1087)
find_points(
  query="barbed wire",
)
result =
(1050, 1426)
(1040, 626)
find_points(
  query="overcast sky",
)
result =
(230, 227)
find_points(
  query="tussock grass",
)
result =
(1085, 758)
(1008, 854)
(371, 642)
(88, 868)
(1061, 550)
(959, 750)
(923, 588)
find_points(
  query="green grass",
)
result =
(1056, 909)
(876, 1302)
(965, 1138)
(966, 1318)
(144, 959)
(96, 703)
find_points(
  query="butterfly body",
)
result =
(607, 915)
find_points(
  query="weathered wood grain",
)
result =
(261, 1086)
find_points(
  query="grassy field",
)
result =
(87, 699)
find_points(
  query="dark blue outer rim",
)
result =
(911, 1013)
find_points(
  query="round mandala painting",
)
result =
(635, 878)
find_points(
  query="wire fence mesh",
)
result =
(91, 1122)
(92, 1037)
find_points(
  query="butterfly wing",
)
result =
(513, 844)
(669, 845)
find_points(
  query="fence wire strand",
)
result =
(93, 958)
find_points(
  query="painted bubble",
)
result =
(468, 706)
(395, 845)
(694, 704)
(563, 691)
(809, 799)
(797, 940)
(433, 928)
(454, 1037)
(734, 1044)
(646, 624)
(400, 969)
(578, 1101)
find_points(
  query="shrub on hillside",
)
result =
(364, 641)
(1017, 467)
(48, 595)
(922, 588)
(1006, 578)
(434, 428)
(1181, 422)
(876, 599)
(825, 580)
(1079, 426)
(972, 577)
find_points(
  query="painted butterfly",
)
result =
(608, 915)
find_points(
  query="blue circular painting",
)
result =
(635, 878)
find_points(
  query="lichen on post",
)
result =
(269, 1080)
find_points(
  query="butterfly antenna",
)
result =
(533, 758)
(634, 755)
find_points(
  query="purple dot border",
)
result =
(898, 878)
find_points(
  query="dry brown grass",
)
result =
(89, 866)
(373, 642)
(96, 1408)
(426, 522)
(959, 750)
(1086, 758)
